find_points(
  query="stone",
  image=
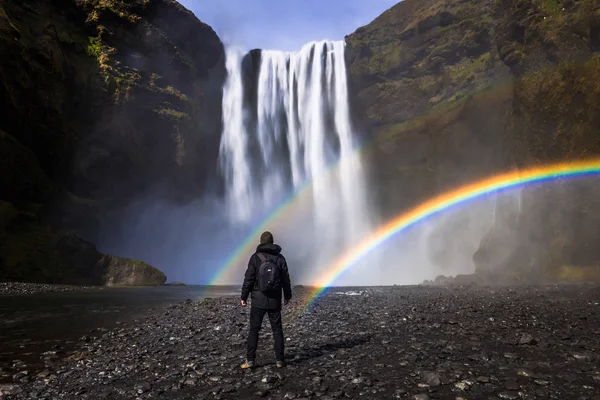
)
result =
(119, 271)
(431, 378)
(527, 338)
(174, 350)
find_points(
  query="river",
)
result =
(31, 325)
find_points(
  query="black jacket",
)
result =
(267, 301)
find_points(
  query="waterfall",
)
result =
(286, 120)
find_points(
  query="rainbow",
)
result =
(280, 216)
(444, 202)
(293, 204)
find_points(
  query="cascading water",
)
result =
(286, 121)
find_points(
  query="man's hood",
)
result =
(274, 249)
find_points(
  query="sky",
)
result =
(285, 24)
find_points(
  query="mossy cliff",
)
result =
(451, 91)
(415, 75)
(103, 101)
(106, 101)
(552, 48)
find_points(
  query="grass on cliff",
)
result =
(93, 47)
(552, 5)
(564, 110)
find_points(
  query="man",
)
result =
(267, 275)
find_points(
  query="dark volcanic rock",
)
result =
(461, 344)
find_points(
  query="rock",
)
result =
(430, 378)
(527, 339)
(9, 390)
(20, 288)
(508, 395)
(175, 351)
(143, 387)
(524, 372)
(119, 271)
(511, 384)
(421, 396)
(44, 374)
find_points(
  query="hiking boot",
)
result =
(247, 364)
(279, 364)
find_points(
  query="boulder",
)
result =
(120, 271)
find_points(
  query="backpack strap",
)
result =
(262, 257)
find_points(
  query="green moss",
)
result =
(93, 47)
(171, 113)
(427, 82)
(562, 111)
(138, 262)
(552, 5)
(469, 68)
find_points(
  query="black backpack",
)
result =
(268, 277)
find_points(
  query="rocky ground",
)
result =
(404, 342)
(18, 288)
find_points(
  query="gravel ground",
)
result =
(412, 342)
(18, 288)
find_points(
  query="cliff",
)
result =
(452, 91)
(552, 49)
(103, 102)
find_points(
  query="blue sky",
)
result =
(285, 24)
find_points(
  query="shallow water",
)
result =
(33, 324)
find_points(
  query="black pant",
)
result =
(256, 318)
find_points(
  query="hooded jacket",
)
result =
(267, 301)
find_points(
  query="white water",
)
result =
(298, 126)
(234, 141)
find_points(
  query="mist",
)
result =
(281, 130)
